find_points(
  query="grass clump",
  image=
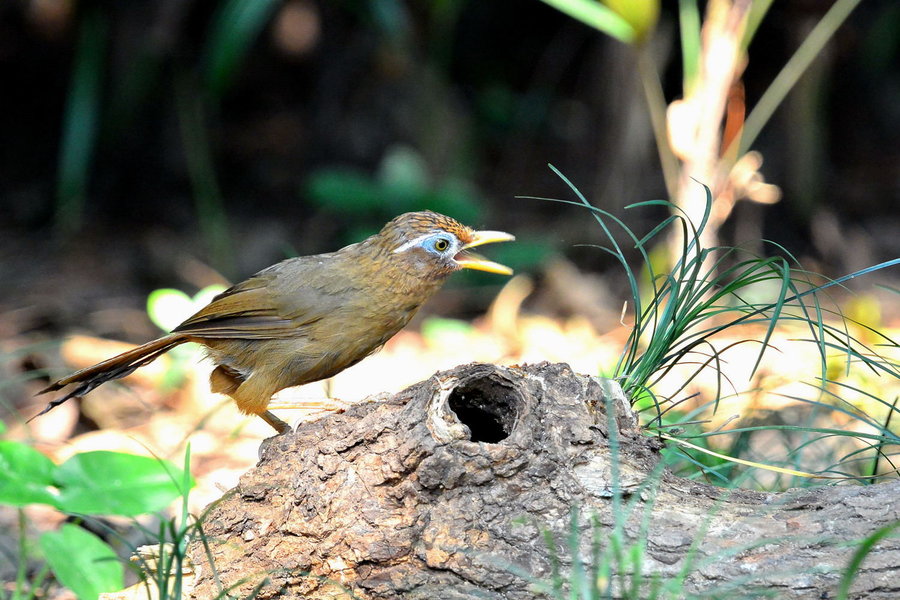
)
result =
(680, 316)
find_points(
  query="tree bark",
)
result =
(448, 489)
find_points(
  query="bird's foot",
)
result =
(278, 425)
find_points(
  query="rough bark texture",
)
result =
(445, 491)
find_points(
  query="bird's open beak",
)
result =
(470, 260)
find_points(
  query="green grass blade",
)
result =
(207, 194)
(823, 430)
(853, 567)
(594, 14)
(757, 13)
(233, 30)
(795, 67)
(80, 122)
(689, 21)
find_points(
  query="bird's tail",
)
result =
(116, 367)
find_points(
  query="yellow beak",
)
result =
(470, 260)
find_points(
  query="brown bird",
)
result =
(311, 317)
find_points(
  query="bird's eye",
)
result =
(441, 244)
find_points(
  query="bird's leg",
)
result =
(225, 380)
(279, 425)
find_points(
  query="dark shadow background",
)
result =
(339, 115)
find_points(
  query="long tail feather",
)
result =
(116, 367)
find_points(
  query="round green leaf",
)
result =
(344, 191)
(404, 170)
(115, 483)
(25, 475)
(205, 296)
(82, 562)
(447, 333)
(168, 307)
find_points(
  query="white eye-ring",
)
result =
(441, 244)
(429, 241)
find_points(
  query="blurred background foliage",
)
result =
(152, 144)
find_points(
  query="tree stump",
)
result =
(448, 489)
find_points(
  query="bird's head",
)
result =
(436, 245)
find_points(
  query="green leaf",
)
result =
(82, 562)
(344, 190)
(404, 169)
(455, 197)
(755, 16)
(865, 547)
(446, 332)
(526, 253)
(168, 307)
(116, 483)
(642, 15)
(594, 14)
(206, 295)
(25, 475)
(233, 31)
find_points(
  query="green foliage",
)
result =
(168, 308)
(634, 21)
(234, 28)
(525, 253)
(192, 116)
(699, 299)
(88, 125)
(641, 15)
(82, 562)
(787, 78)
(26, 475)
(80, 124)
(446, 333)
(401, 184)
(103, 482)
(90, 483)
(598, 16)
(173, 538)
(98, 482)
(689, 22)
(711, 290)
(865, 547)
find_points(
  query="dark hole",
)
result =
(488, 408)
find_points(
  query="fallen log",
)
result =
(466, 486)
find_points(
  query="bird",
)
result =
(310, 317)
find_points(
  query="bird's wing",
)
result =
(257, 308)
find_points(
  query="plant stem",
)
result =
(207, 194)
(23, 559)
(656, 106)
(791, 72)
